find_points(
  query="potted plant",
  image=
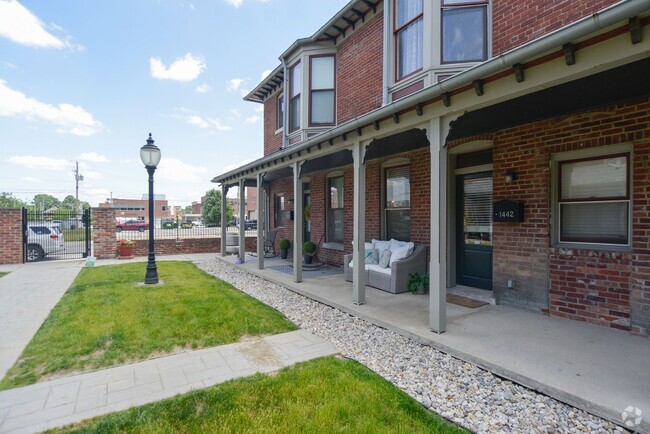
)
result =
(125, 249)
(284, 248)
(309, 248)
(418, 283)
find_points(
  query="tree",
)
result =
(212, 208)
(69, 202)
(8, 200)
(45, 201)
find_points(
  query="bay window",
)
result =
(322, 93)
(335, 210)
(397, 203)
(280, 112)
(594, 200)
(464, 30)
(409, 36)
(295, 86)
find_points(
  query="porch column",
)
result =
(359, 232)
(438, 243)
(224, 203)
(242, 226)
(297, 223)
(261, 216)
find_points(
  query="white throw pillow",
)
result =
(381, 246)
(372, 256)
(395, 244)
(367, 246)
(398, 254)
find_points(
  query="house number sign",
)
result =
(508, 211)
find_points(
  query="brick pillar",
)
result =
(11, 240)
(104, 239)
(640, 278)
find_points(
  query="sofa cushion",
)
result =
(384, 259)
(381, 246)
(399, 253)
(396, 244)
(378, 269)
(372, 256)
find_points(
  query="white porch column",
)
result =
(242, 226)
(297, 223)
(224, 191)
(261, 217)
(438, 249)
(359, 232)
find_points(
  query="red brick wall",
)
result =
(596, 286)
(104, 240)
(359, 71)
(272, 141)
(518, 22)
(11, 240)
(186, 245)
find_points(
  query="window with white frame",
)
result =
(397, 203)
(593, 203)
(464, 31)
(280, 112)
(322, 90)
(335, 210)
(279, 210)
(295, 86)
(408, 29)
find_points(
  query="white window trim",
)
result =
(387, 165)
(600, 151)
(335, 174)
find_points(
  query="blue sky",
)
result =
(88, 80)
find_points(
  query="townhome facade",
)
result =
(511, 138)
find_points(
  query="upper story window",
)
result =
(322, 90)
(409, 36)
(295, 86)
(280, 112)
(593, 203)
(464, 31)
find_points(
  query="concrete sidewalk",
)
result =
(68, 400)
(27, 295)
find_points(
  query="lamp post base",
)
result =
(151, 277)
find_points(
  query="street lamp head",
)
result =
(150, 154)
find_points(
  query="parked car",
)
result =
(43, 239)
(186, 224)
(198, 223)
(250, 224)
(132, 225)
(168, 224)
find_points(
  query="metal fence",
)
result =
(61, 234)
(175, 230)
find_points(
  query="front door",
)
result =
(474, 259)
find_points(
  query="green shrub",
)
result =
(284, 243)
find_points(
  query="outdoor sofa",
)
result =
(393, 279)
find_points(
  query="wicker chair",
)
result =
(397, 281)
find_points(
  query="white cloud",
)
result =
(234, 84)
(266, 73)
(31, 179)
(89, 174)
(236, 113)
(186, 68)
(259, 108)
(198, 121)
(192, 118)
(69, 118)
(18, 24)
(93, 157)
(203, 88)
(38, 162)
(218, 125)
(8, 65)
(173, 169)
(252, 120)
(235, 3)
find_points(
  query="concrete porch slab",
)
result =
(600, 370)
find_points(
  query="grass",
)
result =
(78, 234)
(3, 273)
(320, 396)
(105, 319)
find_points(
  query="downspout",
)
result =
(386, 56)
(285, 99)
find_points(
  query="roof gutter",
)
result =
(582, 28)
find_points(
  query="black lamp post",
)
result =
(150, 156)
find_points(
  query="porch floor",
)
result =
(599, 370)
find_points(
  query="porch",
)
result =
(599, 370)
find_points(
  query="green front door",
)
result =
(474, 252)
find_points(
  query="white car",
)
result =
(43, 238)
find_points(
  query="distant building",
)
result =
(139, 208)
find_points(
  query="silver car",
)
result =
(43, 238)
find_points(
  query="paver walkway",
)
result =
(27, 295)
(68, 400)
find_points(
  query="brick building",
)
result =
(139, 208)
(511, 138)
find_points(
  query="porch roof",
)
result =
(492, 69)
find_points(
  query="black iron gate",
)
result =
(60, 234)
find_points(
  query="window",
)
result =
(409, 36)
(594, 200)
(322, 90)
(464, 31)
(279, 210)
(280, 112)
(397, 205)
(335, 210)
(295, 86)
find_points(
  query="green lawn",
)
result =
(78, 234)
(3, 273)
(320, 396)
(105, 319)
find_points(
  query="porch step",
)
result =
(473, 293)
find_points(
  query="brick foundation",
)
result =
(11, 240)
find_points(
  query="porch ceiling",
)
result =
(616, 85)
(397, 143)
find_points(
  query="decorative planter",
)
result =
(421, 290)
(125, 252)
(284, 253)
(307, 258)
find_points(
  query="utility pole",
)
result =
(77, 177)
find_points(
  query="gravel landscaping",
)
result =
(458, 391)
